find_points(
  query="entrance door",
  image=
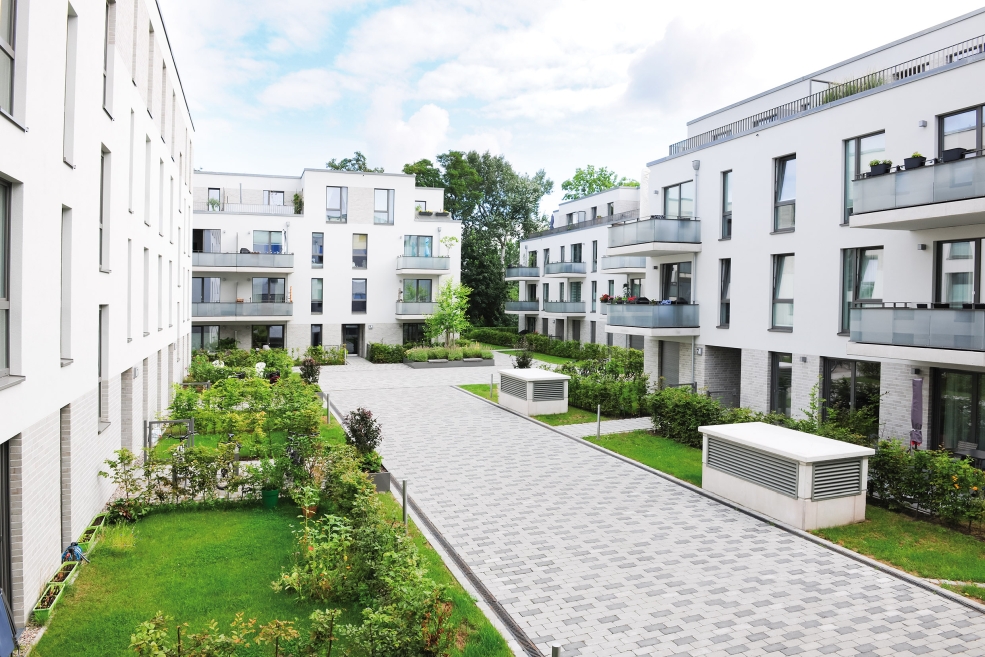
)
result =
(670, 355)
(350, 337)
(559, 329)
(576, 330)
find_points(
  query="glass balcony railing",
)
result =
(647, 316)
(919, 325)
(566, 307)
(243, 208)
(442, 263)
(236, 309)
(243, 260)
(940, 183)
(522, 272)
(522, 306)
(657, 229)
(623, 262)
(565, 268)
(415, 307)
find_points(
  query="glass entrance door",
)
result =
(350, 337)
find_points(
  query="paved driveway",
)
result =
(607, 559)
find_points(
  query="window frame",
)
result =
(855, 256)
(201, 291)
(268, 243)
(595, 256)
(680, 188)
(342, 210)
(779, 171)
(390, 198)
(208, 202)
(359, 305)
(724, 292)
(826, 382)
(253, 281)
(416, 242)
(939, 267)
(317, 305)
(200, 329)
(726, 202)
(268, 196)
(9, 48)
(978, 109)
(774, 389)
(576, 252)
(364, 256)
(317, 257)
(774, 300)
(5, 232)
(595, 295)
(856, 142)
(321, 335)
(417, 290)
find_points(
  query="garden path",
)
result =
(585, 549)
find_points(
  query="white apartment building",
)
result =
(96, 147)
(324, 258)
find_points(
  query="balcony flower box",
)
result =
(67, 573)
(953, 154)
(52, 594)
(425, 213)
(879, 169)
(465, 362)
(914, 162)
(441, 214)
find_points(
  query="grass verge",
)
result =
(573, 416)
(659, 453)
(967, 590)
(482, 389)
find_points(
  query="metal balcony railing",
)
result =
(649, 316)
(565, 307)
(655, 229)
(600, 220)
(522, 306)
(243, 208)
(273, 260)
(937, 326)
(442, 263)
(415, 307)
(565, 268)
(235, 309)
(522, 272)
(939, 183)
(623, 262)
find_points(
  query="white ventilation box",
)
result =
(533, 392)
(798, 478)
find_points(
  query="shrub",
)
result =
(362, 431)
(331, 356)
(435, 353)
(470, 351)
(455, 354)
(385, 353)
(492, 336)
(619, 397)
(486, 354)
(310, 370)
(417, 354)
(678, 412)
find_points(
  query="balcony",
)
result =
(244, 208)
(234, 309)
(243, 261)
(564, 307)
(623, 264)
(655, 237)
(523, 306)
(653, 320)
(937, 333)
(414, 309)
(566, 269)
(522, 273)
(939, 196)
(423, 264)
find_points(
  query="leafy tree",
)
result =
(427, 174)
(591, 180)
(450, 312)
(483, 272)
(355, 163)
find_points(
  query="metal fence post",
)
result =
(598, 423)
(490, 387)
(328, 409)
(555, 650)
(403, 493)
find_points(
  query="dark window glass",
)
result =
(727, 204)
(316, 294)
(781, 382)
(359, 295)
(413, 333)
(785, 209)
(783, 288)
(725, 307)
(270, 336)
(316, 336)
(317, 249)
(359, 251)
(268, 290)
(205, 289)
(679, 201)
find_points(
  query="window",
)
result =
(317, 290)
(576, 253)
(7, 16)
(591, 330)
(636, 287)
(849, 386)
(268, 290)
(956, 266)
(421, 206)
(781, 381)
(317, 250)
(547, 256)
(560, 290)
(102, 362)
(359, 251)
(532, 259)
(562, 254)
(581, 216)
(783, 271)
(206, 240)
(68, 122)
(785, 201)
(594, 212)
(724, 296)
(268, 241)
(612, 288)
(727, 205)
(4, 277)
(104, 199)
(861, 276)
(595, 255)
(531, 323)
(595, 295)
(383, 206)
(679, 201)
(531, 291)
(546, 294)
(337, 204)
(417, 245)
(413, 333)
(359, 295)
(215, 199)
(609, 211)
(608, 338)
(269, 336)
(107, 83)
(570, 218)
(576, 330)
(205, 289)
(146, 292)
(316, 335)
(273, 198)
(676, 281)
(417, 290)
(575, 293)
(962, 130)
(205, 337)
(858, 153)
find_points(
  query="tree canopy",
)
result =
(427, 174)
(591, 181)
(355, 163)
(450, 312)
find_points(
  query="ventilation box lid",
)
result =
(535, 375)
(795, 445)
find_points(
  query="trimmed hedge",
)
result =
(385, 353)
(621, 397)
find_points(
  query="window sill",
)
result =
(783, 231)
(781, 329)
(105, 270)
(103, 426)
(108, 113)
(844, 334)
(13, 120)
(146, 333)
(68, 164)
(722, 326)
(67, 361)
(317, 266)
(10, 381)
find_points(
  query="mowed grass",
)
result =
(482, 389)
(333, 433)
(659, 453)
(573, 416)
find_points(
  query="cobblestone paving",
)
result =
(607, 559)
(608, 426)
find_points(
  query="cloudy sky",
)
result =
(277, 86)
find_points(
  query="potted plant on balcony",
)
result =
(441, 213)
(879, 167)
(423, 213)
(605, 298)
(953, 154)
(213, 204)
(915, 161)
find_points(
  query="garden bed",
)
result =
(426, 365)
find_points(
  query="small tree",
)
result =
(449, 316)
(524, 359)
(362, 431)
(310, 370)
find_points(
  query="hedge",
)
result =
(619, 397)
(385, 353)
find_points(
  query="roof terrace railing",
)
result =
(929, 62)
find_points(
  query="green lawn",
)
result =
(482, 389)
(573, 416)
(333, 433)
(659, 453)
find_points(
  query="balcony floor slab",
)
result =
(917, 354)
(967, 212)
(654, 332)
(653, 249)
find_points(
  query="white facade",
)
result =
(95, 165)
(359, 240)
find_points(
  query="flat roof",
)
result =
(794, 445)
(604, 191)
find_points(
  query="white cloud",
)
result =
(304, 90)
(393, 141)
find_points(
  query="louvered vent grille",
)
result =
(837, 479)
(758, 467)
(513, 387)
(548, 390)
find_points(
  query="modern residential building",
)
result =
(324, 258)
(95, 253)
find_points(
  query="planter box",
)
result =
(88, 538)
(381, 480)
(425, 213)
(55, 590)
(953, 154)
(70, 569)
(442, 214)
(914, 162)
(270, 498)
(449, 363)
(879, 169)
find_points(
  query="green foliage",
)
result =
(678, 412)
(591, 181)
(362, 430)
(385, 353)
(524, 359)
(437, 353)
(426, 174)
(310, 371)
(355, 163)
(298, 204)
(330, 356)
(450, 312)
(852, 87)
(417, 354)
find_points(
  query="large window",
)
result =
(417, 245)
(679, 201)
(861, 277)
(383, 206)
(4, 278)
(413, 333)
(727, 205)
(360, 244)
(962, 130)
(268, 241)
(575, 292)
(269, 336)
(595, 255)
(675, 279)
(7, 17)
(205, 289)
(781, 382)
(957, 264)
(337, 204)
(532, 259)
(850, 390)
(206, 240)
(724, 295)
(359, 295)
(318, 250)
(417, 290)
(546, 292)
(205, 337)
(783, 273)
(858, 153)
(576, 253)
(317, 290)
(268, 290)
(215, 197)
(273, 198)
(785, 199)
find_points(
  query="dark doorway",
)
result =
(669, 365)
(351, 337)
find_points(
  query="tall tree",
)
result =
(450, 315)
(355, 163)
(591, 180)
(427, 175)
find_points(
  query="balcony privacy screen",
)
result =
(939, 328)
(647, 316)
(943, 182)
(655, 230)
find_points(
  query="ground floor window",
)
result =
(531, 324)
(850, 390)
(205, 337)
(781, 382)
(271, 336)
(545, 331)
(608, 339)
(413, 333)
(636, 342)
(576, 328)
(6, 548)
(592, 331)
(959, 405)
(559, 329)
(316, 335)
(351, 337)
